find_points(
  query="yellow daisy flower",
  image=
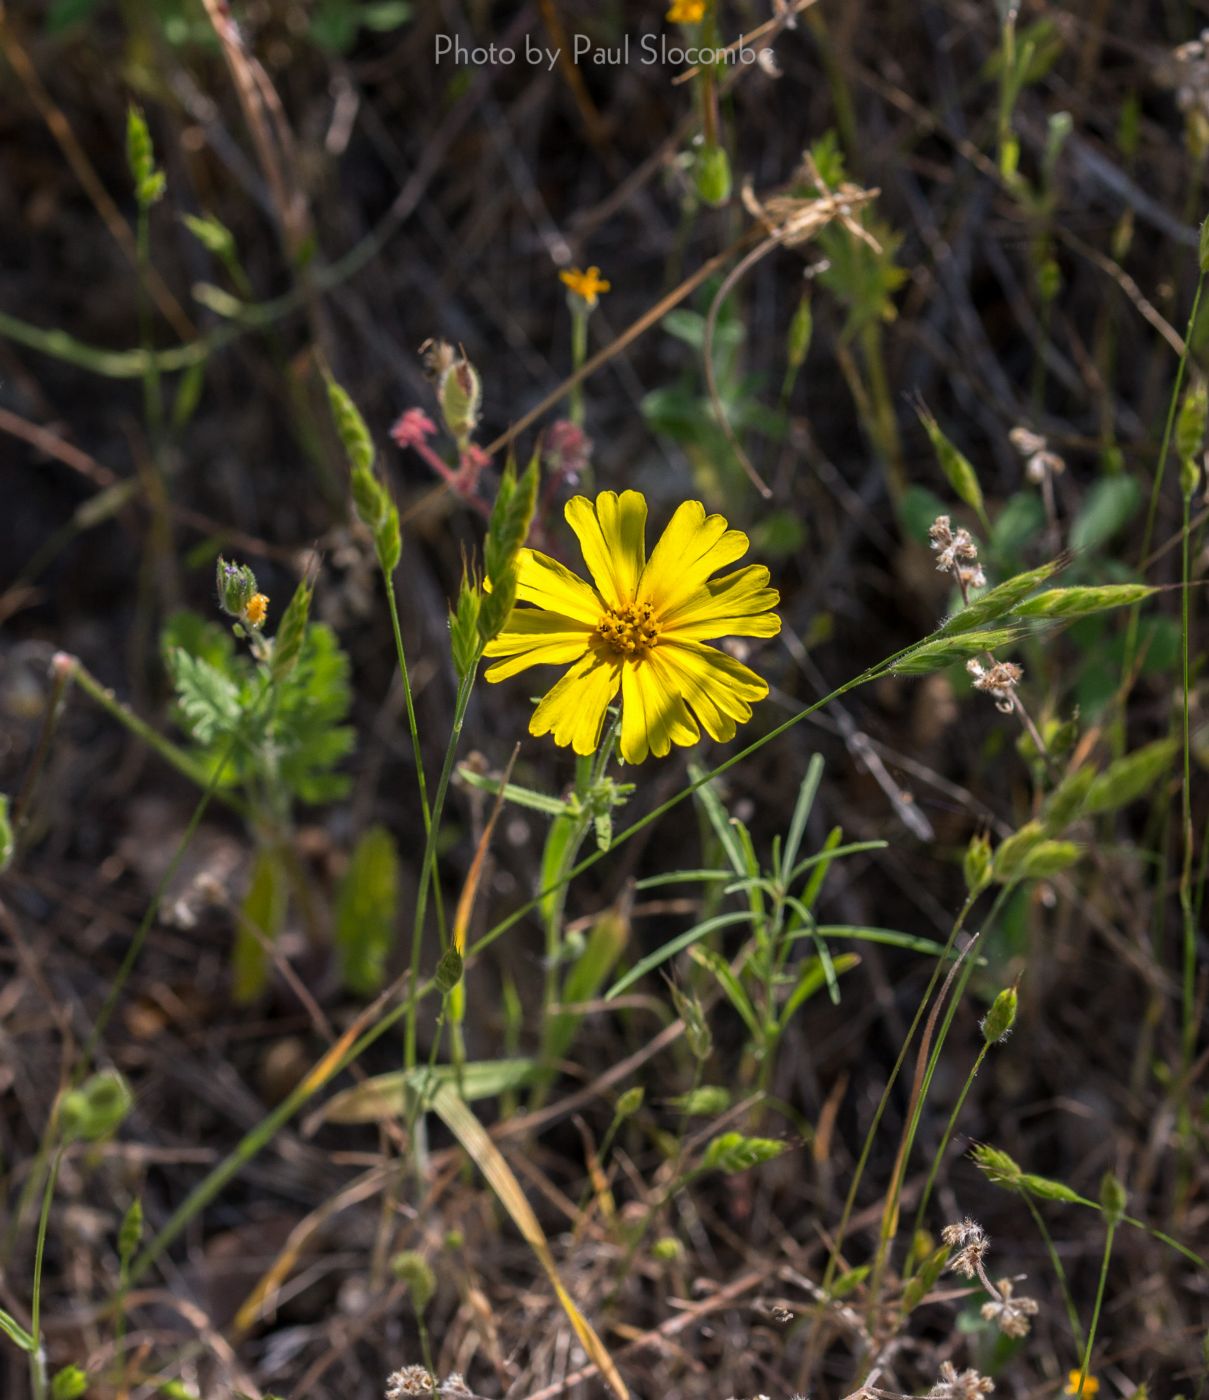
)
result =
(640, 629)
(686, 12)
(1091, 1386)
(586, 285)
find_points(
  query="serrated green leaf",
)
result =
(209, 701)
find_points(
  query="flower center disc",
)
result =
(630, 631)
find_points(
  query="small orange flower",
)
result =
(257, 610)
(586, 285)
(1091, 1386)
(686, 12)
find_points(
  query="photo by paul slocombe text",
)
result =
(643, 49)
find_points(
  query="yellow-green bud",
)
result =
(630, 1102)
(131, 1232)
(460, 392)
(1190, 425)
(712, 175)
(411, 1268)
(69, 1384)
(1112, 1197)
(236, 587)
(667, 1250)
(977, 863)
(1001, 1017)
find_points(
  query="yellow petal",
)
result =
(693, 547)
(574, 709)
(612, 535)
(534, 637)
(735, 605)
(653, 716)
(553, 586)
(718, 688)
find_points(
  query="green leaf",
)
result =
(1059, 603)
(706, 797)
(557, 844)
(16, 1334)
(513, 792)
(209, 701)
(366, 908)
(1130, 777)
(1110, 503)
(716, 964)
(811, 979)
(732, 1152)
(890, 937)
(801, 815)
(263, 910)
(605, 944)
(674, 946)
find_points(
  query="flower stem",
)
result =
(414, 730)
(1131, 635)
(579, 353)
(1095, 1316)
(37, 1357)
(428, 865)
(946, 1138)
(1072, 1312)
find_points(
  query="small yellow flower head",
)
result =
(1091, 1386)
(587, 286)
(640, 628)
(686, 12)
(256, 610)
